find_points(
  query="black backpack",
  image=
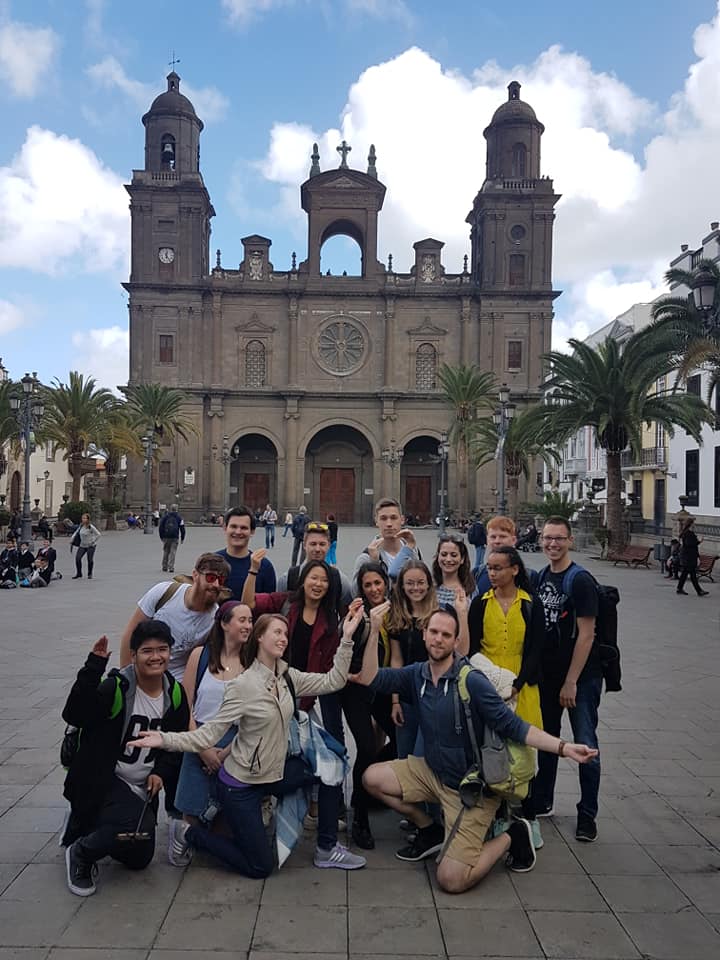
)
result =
(171, 527)
(606, 624)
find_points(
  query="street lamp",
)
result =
(148, 442)
(703, 287)
(28, 409)
(227, 458)
(443, 450)
(392, 456)
(502, 418)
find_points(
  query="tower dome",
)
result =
(172, 102)
(172, 132)
(513, 140)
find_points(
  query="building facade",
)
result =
(308, 387)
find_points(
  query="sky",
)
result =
(630, 103)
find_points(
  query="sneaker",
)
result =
(537, 840)
(424, 844)
(362, 835)
(78, 576)
(586, 830)
(179, 851)
(546, 811)
(339, 857)
(499, 826)
(704, 593)
(81, 875)
(521, 858)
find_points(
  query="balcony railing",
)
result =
(651, 458)
(575, 467)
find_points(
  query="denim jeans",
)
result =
(269, 535)
(248, 850)
(479, 556)
(82, 551)
(583, 720)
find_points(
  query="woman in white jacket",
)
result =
(261, 704)
(85, 539)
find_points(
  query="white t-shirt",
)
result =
(135, 765)
(188, 627)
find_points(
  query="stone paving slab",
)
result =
(649, 887)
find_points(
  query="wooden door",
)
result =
(337, 493)
(256, 490)
(418, 498)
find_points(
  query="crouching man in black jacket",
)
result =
(112, 788)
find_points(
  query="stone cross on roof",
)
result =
(344, 149)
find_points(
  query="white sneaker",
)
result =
(179, 850)
(537, 839)
(339, 857)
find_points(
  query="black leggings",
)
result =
(360, 708)
(691, 572)
(120, 813)
(90, 551)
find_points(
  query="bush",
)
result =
(5, 516)
(556, 504)
(111, 507)
(73, 510)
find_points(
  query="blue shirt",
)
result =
(265, 582)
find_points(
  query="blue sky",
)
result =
(630, 102)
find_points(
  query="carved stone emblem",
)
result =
(427, 268)
(255, 265)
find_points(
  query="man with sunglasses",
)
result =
(112, 788)
(187, 608)
(316, 545)
(239, 525)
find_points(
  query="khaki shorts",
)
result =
(420, 785)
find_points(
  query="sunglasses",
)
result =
(317, 528)
(211, 578)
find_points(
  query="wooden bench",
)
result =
(632, 556)
(706, 562)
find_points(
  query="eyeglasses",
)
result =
(555, 539)
(317, 528)
(211, 577)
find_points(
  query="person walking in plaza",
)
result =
(239, 526)
(112, 784)
(269, 519)
(172, 532)
(188, 609)
(209, 670)
(316, 546)
(288, 523)
(689, 554)
(300, 521)
(85, 539)
(571, 673)
(465, 856)
(394, 544)
(333, 531)
(507, 625)
(477, 537)
(260, 702)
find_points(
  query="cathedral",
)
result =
(312, 388)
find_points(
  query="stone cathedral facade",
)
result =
(308, 387)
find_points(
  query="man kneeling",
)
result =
(465, 857)
(112, 788)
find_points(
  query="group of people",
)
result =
(20, 567)
(216, 669)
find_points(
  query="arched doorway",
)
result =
(338, 471)
(15, 486)
(420, 478)
(253, 472)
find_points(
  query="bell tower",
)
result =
(512, 216)
(170, 208)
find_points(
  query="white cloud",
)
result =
(102, 354)
(210, 104)
(621, 217)
(382, 9)
(94, 13)
(11, 316)
(243, 12)
(26, 55)
(61, 208)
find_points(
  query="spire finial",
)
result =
(465, 263)
(513, 90)
(218, 262)
(315, 161)
(294, 261)
(344, 149)
(372, 157)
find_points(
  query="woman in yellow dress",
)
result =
(507, 625)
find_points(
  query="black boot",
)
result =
(360, 832)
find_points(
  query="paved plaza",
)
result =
(650, 886)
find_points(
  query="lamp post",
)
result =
(704, 287)
(227, 458)
(443, 450)
(502, 418)
(28, 409)
(392, 456)
(148, 442)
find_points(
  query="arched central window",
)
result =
(167, 152)
(341, 256)
(426, 362)
(255, 364)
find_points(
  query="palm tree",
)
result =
(121, 440)
(76, 418)
(522, 448)
(613, 388)
(679, 316)
(157, 408)
(468, 391)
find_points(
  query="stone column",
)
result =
(292, 415)
(292, 343)
(389, 344)
(216, 348)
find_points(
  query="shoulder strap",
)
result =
(464, 694)
(168, 595)
(202, 666)
(175, 694)
(117, 703)
(291, 688)
(543, 575)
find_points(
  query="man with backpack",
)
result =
(571, 669)
(477, 536)
(442, 774)
(316, 545)
(172, 532)
(112, 788)
(299, 523)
